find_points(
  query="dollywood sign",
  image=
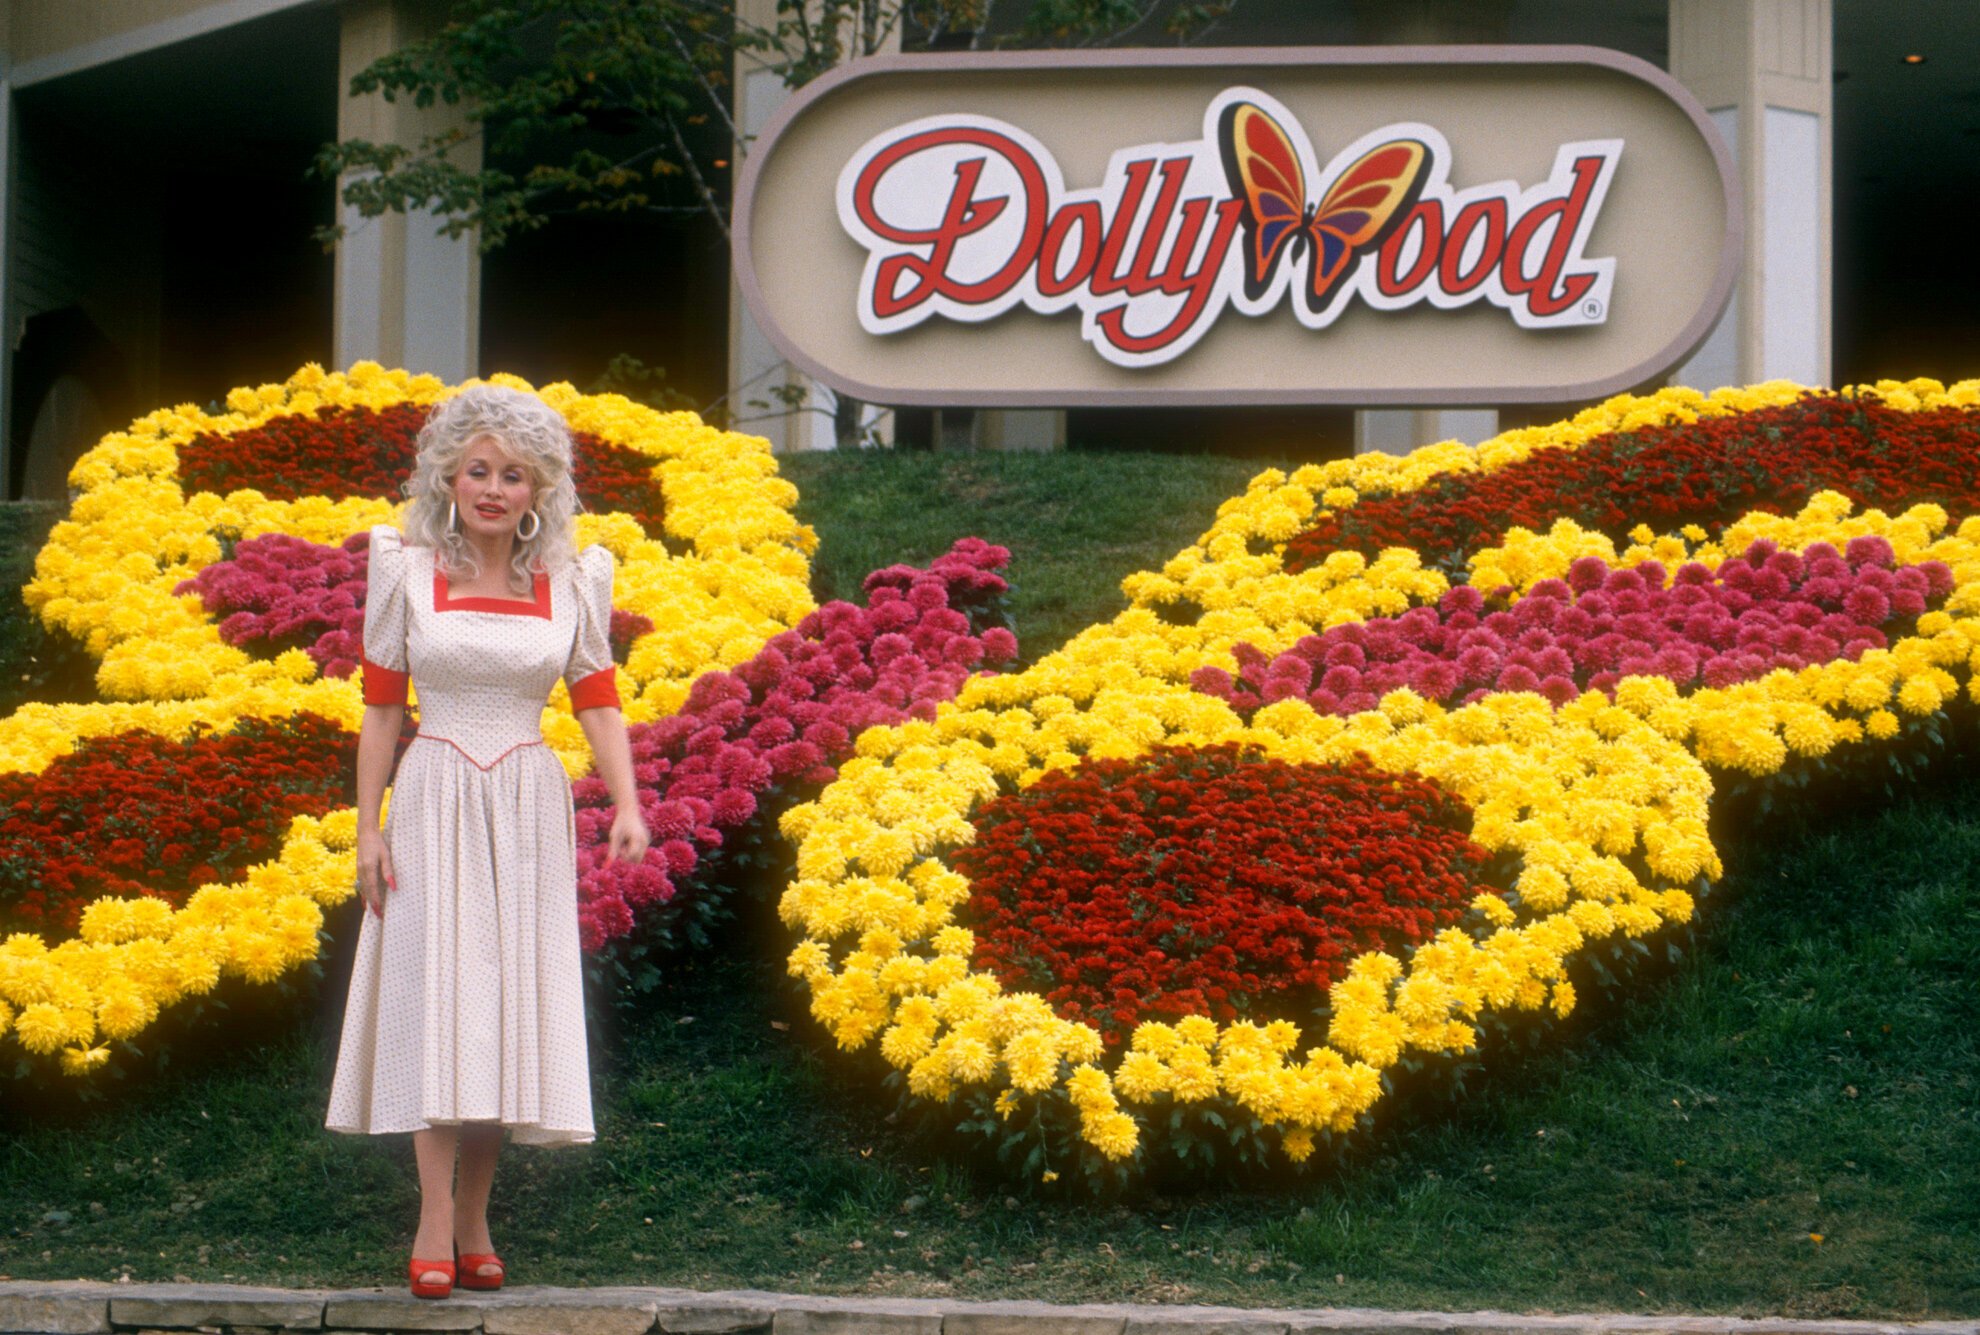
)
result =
(1550, 224)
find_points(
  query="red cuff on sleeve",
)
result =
(382, 686)
(601, 688)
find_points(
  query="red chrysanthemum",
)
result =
(1214, 880)
(1706, 472)
(357, 451)
(136, 814)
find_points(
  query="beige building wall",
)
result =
(47, 27)
(47, 37)
(403, 294)
(43, 28)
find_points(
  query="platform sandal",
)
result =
(421, 1288)
(470, 1270)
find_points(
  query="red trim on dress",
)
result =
(431, 737)
(382, 686)
(445, 602)
(598, 690)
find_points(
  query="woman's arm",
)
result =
(378, 738)
(605, 729)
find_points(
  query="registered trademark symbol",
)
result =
(1592, 309)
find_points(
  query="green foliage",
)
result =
(1094, 22)
(623, 106)
(627, 375)
(35, 663)
(580, 106)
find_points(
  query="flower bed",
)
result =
(1207, 881)
(356, 450)
(779, 725)
(1701, 474)
(888, 950)
(1234, 582)
(1601, 693)
(123, 573)
(1764, 610)
(278, 593)
(141, 816)
(226, 623)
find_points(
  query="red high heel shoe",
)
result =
(423, 1289)
(470, 1270)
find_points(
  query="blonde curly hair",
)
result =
(527, 428)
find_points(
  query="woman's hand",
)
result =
(605, 728)
(374, 870)
(629, 836)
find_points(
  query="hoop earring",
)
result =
(534, 531)
(453, 516)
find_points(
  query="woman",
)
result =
(466, 1006)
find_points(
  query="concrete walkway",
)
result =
(59, 1308)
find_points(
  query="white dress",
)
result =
(466, 1000)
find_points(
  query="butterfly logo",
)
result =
(1366, 202)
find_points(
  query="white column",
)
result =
(1019, 429)
(760, 380)
(405, 294)
(1763, 68)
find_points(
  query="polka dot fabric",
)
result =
(466, 1000)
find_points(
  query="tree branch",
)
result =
(720, 103)
(708, 199)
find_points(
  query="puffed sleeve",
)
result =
(592, 679)
(385, 613)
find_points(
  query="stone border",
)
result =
(79, 1307)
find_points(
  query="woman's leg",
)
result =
(434, 1148)
(480, 1144)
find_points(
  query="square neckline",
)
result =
(537, 606)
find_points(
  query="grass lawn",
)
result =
(1076, 524)
(1786, 1122)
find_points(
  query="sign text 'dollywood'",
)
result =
(965, 217)
(1351, 256)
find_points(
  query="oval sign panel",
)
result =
(1365, 225)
